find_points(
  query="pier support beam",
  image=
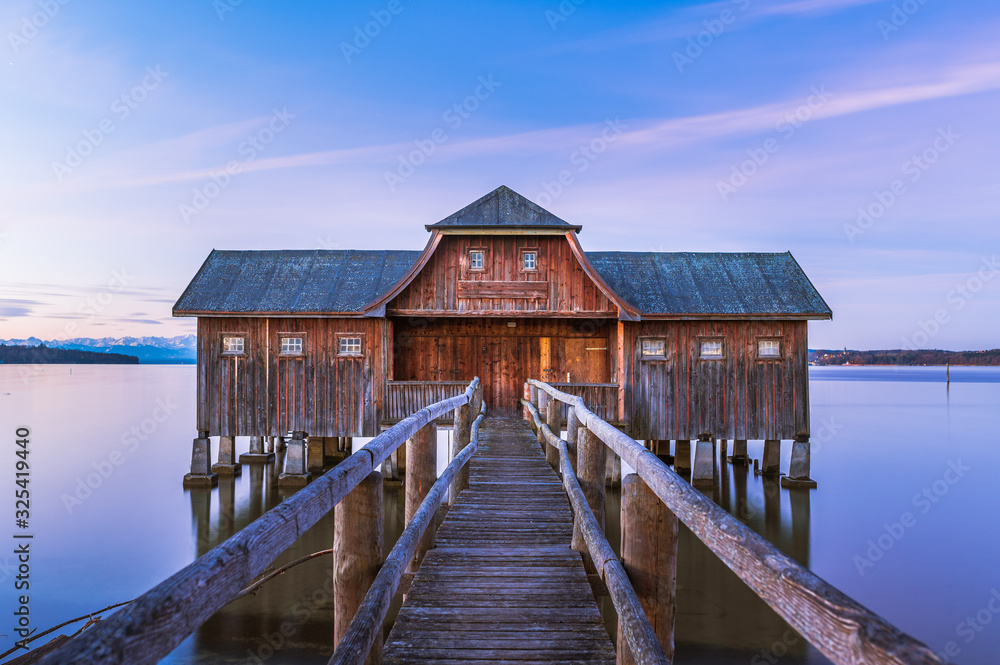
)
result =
(461, 435)
(704, 461)
(201, 464)
(771, 465)
(256, 454)
(314, 455)
(739, 455)
(227, 465)
(591, 454)
(798, 470)
(553, 420)
(294, 473)
(682, 457)
(421, 472)
(357, 555)
(649, 555)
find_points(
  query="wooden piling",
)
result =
(421, 472)
(771, 465)
(459, 440)
(357, 554)
(295, 473)
(649, 555)
(227, 466)
(201, 474)
(592, 457)
(682, 456)
(554, 422)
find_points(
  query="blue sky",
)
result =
(860, 135)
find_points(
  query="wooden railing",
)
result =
(154, 624)
(842, 629)
(602, 397)
(405, 397)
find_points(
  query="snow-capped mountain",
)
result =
(180, 349)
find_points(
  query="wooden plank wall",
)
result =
(265, 394)
(738, 397)
(437, 287)
(450, 349)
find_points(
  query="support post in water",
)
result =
(460, 439)
(227, 465)
(314, 455)
(421, 472)
(591, 454)
(771, 465)
(295, 474)
(201, 464)
(704, 459)
(649, 556)
(739, 455)
(682, 457)
(553, 420)
(357, 554)
(256, 454)
(798, 470)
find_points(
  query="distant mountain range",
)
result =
(149, 350)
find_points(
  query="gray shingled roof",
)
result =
(677, 283)
(293, 281)
(503, 207)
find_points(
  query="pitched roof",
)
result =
(292, 281)
(685, 283)
(503, 208)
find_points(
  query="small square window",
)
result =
(233, 346)
(291, 345)
(654, 348)
(476, 260)
(711, 348)
(529, 259)
(349, 346)
(768, 348)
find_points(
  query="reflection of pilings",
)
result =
(722, 483)
(740, 475)
(772, 509)
(201, 517)
(227, 508)
(257, 501)
(800, 525)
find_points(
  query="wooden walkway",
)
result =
(502, 582)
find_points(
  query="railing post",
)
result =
(357, 555)
(421, 472)
(649, 556)
(572, 427)
(459, 440)
(553, 420)
(591, 454)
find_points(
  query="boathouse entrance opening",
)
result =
(504, 353)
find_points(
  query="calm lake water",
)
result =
(904, 520)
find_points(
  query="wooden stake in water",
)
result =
(947, 373)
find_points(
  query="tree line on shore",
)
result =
(904, 357)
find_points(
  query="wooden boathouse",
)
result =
(673, 346)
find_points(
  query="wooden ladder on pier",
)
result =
(502, 582)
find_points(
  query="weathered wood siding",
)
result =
(737, 397)
(263, 393)
(447, 285)
(504, 357)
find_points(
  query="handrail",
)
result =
(845, 631)
(366, 626)
(642, 641)
(159, 620)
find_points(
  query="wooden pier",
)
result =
(502, 582)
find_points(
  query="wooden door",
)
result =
(585, 360)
